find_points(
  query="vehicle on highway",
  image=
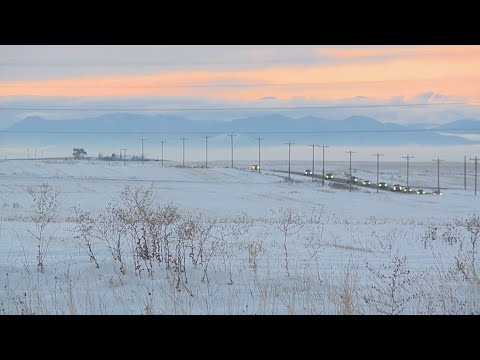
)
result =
(407, 189)
(308, 172)
(396, 187)
(328, 176)
(382, 184)
(437, 192)
(420, 191)
(352, 179)
(366, 182)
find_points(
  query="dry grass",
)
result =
(150, 259)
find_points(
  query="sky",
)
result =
(85, 81)
(219, 76)
(243, 73)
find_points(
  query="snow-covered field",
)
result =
(233, 241)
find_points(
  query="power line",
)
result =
(323, 163)
(378, 167)
(313, 160)
(324, 60)
(206, 151)
(289, 145)
(142, 140)
(350, 181)
(124, 155)
(237, 132)
(231, 142)
(438, 173)
(408, 157)
(194, 85)
(235, 108)
(475, 173)
(259, 140)
(183, 153)
(162, 151)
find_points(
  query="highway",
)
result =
(372, 186)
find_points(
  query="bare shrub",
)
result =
(46, 201)
(239, 231)
(217, 236)
(289, 223)
(392, 287)
(440, 295)
(343, 290)
(133, 207)
(430, 235)
(255, 250)
(84, 228)
(466, 259)
(150, 231)
(451, 235)
(112, 232)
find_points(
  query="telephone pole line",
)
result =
(475, 173)
(142, 139)
(259, 139)
(231, 141)
(289, 144)
(408, 157)
(183, 158)
(323, 164)
(124, 155)
(350, 179)
(378, 166)
(206, 150)
(438, 172)
(162, 151)
(313, 160)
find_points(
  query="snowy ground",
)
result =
(276, 246)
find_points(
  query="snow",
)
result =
(353, 230)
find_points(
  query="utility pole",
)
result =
(259, 139)
(35, 153)
(408, 157)
(378, 166)
(183, 158)
(438, 172)
(313, 160)
(231, 141)
(124, 155)
(475, 174)
(465, 173)
(206, 150)
(142, 139)
(323, 164)
(162, 151)
(289, 144)
(350, 179)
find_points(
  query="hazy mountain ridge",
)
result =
(354, 130)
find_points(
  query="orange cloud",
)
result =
(450, 70)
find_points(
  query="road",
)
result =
(343, 181)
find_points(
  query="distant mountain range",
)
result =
(274, 128)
